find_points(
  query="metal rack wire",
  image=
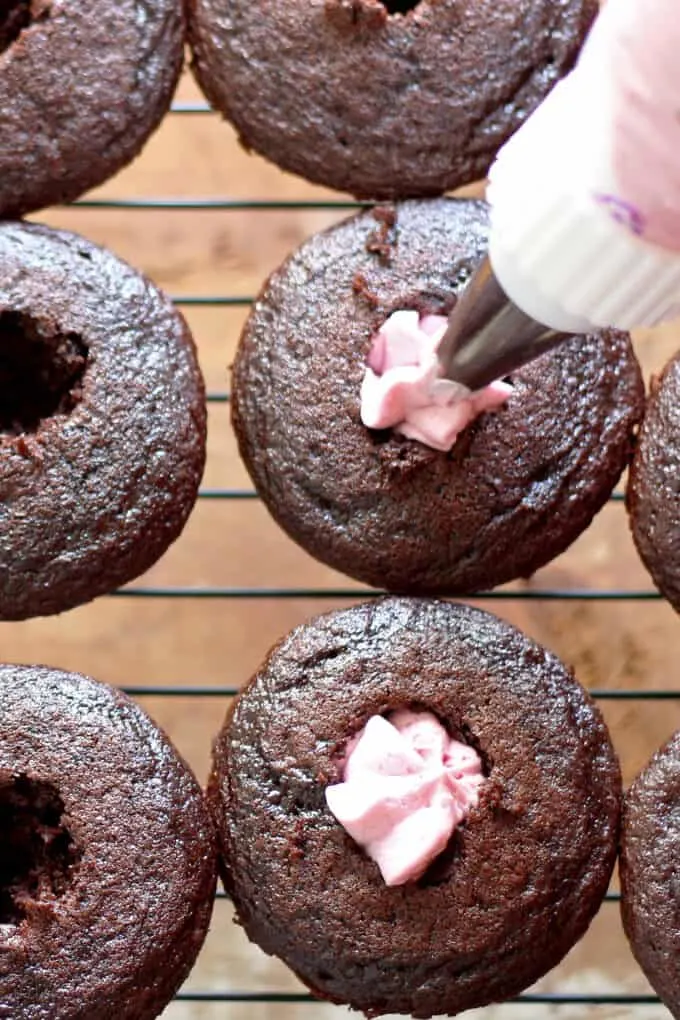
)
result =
(196, 690)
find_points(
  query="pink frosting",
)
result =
(403, 388)
(633, 49)
(406, 786)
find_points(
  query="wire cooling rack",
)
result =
(324, 594)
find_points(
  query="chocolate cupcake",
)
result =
(652, 494)
(385, 100)
(108, 853)
(650, 903)
(102, 422)
(519, 484)
(533, 788)
(82, 86)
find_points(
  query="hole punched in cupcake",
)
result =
(15, 16)
(400, 6)
(385, 100)
(102, 422)
(108, 857)
(41, 372)
(105, 75)
(37, 852)
(447, 497)
(438, 802)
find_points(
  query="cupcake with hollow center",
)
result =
(417, 807)
(386, 100)
(107, 858)
(378, 466)
(102, 422)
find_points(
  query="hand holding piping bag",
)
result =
(585, 204)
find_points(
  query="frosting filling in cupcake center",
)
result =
(37, 853)
(403, 388)
(406, 786)
(41, 372)
(15, 16)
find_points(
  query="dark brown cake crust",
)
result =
(384, 105)
(102, 422)
(654, 484)
(520, 880)
(650, 904)
(82, 86)
(108, 862)
(519, 485)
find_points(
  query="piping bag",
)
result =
(585, 204)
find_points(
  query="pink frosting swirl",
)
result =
(403, 388)
(406, 786)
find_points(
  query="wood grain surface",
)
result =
(135, 641)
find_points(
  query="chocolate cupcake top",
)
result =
(521, 878)
(519, 485)
(82, 86)
(652, 495)
(385, 100)
(650, 843)
(107, 867)
(102, 422)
